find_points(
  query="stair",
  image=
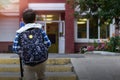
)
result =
(56, 69)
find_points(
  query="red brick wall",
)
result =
(79, 45)
(4, 46)
(69, 29)
(47, 1)
(23, 5)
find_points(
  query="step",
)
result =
(9, 68)
(56, 68)
(49, 61)
(14, 59)
(59, 68)
(9, 76)
(9, 61)
(49, 76)
(61, 76)
(53, 64)
(59, 61)
(49, 68)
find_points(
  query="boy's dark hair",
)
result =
(29, 16)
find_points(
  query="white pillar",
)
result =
(61, 38)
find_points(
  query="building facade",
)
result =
(57, 18)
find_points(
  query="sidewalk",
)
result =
(97, 67)
(89, 66)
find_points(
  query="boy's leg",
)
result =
(29, 73)
(40, 70)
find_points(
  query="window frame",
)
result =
(87, 40)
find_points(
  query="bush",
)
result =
(114, 44)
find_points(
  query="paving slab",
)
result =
(97, 67)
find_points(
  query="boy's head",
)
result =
(29, 16)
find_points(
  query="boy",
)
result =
(30, 72)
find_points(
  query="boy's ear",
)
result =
(22, 19)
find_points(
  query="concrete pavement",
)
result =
(90, 66)
(97, 67)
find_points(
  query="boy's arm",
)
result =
(46, 39)
(16, 45)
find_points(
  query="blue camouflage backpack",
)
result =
(32, 47)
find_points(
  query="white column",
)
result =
(112, 28)
(61, 38)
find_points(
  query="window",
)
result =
(88, 30)
(9, 7)
(93, 28)
(50, 17)
(104, 31)
(82, 29)
(8, 27)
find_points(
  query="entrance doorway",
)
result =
(55, 31)
(52, 32)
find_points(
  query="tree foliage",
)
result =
(103, 9)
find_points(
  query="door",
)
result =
(52, 32)
(54, 28)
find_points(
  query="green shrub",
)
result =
(113, 44)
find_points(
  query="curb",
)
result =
(106, 53)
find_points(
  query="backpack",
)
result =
(32, 47)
